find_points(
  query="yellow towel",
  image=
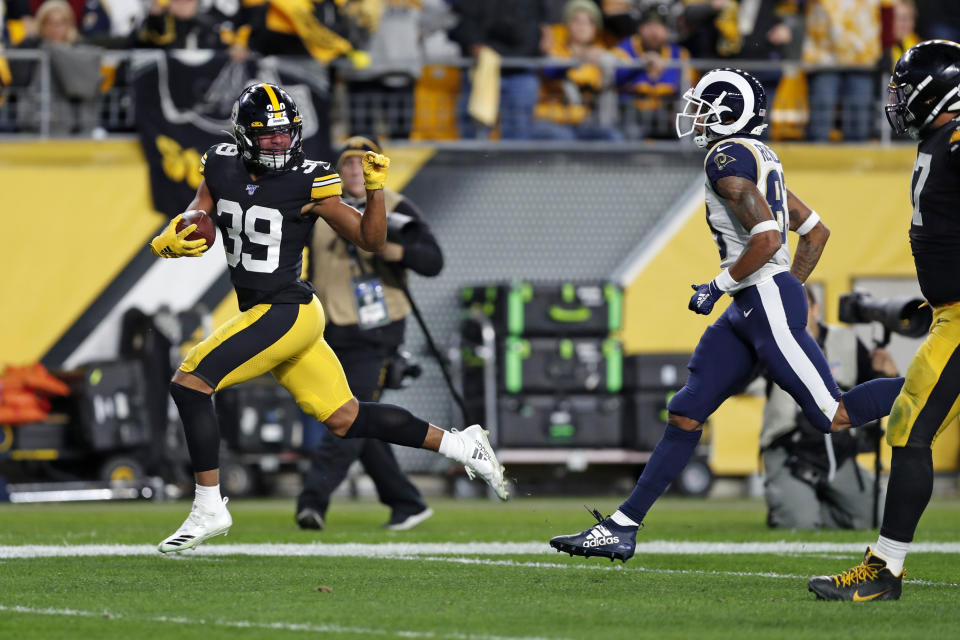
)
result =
(485, 94)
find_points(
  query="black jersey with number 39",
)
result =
(260, 223)
(935, 227)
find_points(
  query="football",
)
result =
(205, 228)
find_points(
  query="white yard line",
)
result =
(393, 549)
(457, 552)
(276, 626)
(589, 566)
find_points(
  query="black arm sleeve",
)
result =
(421, 253)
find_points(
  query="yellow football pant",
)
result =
(284, 339)
(930, 398)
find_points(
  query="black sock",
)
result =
(199, 426)
(389, 423)
(908, 492)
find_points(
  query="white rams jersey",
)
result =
(755, 161)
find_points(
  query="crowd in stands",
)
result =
(529, 69)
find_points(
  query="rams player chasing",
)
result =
(265, 196)
(749, 212)
(923, 102)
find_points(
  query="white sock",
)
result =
(623, 519)
(208, 497)
(893, 552)
(453, 447)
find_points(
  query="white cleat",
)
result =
(199, 526)
(482, 461)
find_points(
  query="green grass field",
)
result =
(457, 591)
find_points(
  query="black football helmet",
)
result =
(262, 111)
(924, 84)
(725, 102)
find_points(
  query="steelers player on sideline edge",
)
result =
(749, 212)
(923, 102)
(265, 197)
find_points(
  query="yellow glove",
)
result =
(170, 244)
(374, 170)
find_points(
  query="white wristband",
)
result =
(766, 225)
(809, 223)
(724, 281)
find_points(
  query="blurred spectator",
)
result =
(939, 19)
(381, 95)
(749, 30)
(16, 21)
(904, 29)
(652, 89)
(436, 20)
(94, 19)
(621, 18)
(124, 16)
(708, 28)
(322, 29)
(570, 96)
(511, 28)
(75, 81)
(842, 33)
(179, 24)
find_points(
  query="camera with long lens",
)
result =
(907, 316)
(401, 370)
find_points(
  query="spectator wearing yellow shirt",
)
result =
(843, 38)
(904, 29)
(571, 96)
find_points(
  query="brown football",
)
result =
(205, 227)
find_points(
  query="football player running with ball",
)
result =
(749, 212)
(924, 103)
(265, 197)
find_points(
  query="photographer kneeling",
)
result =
(362, 294)
(812, 480)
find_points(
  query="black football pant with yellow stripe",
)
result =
(927, 404)
(365, 367)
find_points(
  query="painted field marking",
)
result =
(249, 624)
(457, 552)
(393, 549)
(620, 567)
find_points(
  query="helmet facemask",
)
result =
(272, 148)
(898, 115)
(701, 115)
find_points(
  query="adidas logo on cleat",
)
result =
(600, 536)
(479, 454)
(599, 542)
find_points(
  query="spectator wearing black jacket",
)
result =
(179, 24)
(512, 28)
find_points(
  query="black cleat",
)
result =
(606, 539)
(308, 518)
(870, 580)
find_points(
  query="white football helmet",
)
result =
(724, 103)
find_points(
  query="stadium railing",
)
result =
(432, 107)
